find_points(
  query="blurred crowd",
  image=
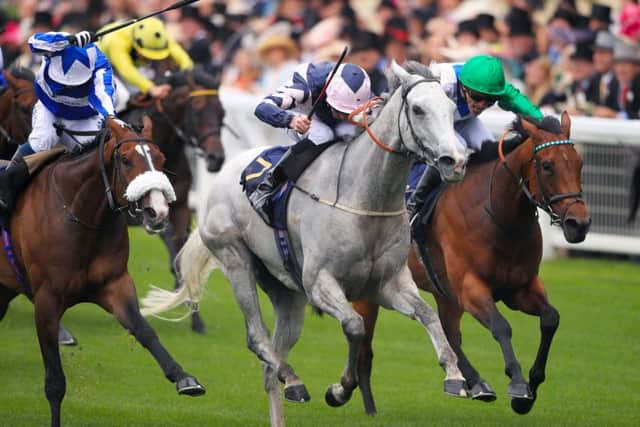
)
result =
(579, 56)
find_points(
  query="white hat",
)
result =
(73, 66)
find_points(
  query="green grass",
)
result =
(592, 376)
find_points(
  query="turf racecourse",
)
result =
(592, 376)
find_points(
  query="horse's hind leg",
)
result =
(119, 298)
(369, 313)
(450, 313)
(534, 301)
(401, 294)
(481, 305)
(47, 313)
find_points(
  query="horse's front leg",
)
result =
(48, 310)
(534, 301)
(401, 294)
(119, 297)
(480, 304)
(450, 313)
(326, 294)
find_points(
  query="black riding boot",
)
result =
(291, 165)
(429, 180)
(13, 180)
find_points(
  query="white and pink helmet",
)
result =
(349, 89)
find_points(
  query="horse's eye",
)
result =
(417, 110)
(547, 166)
(125, 161)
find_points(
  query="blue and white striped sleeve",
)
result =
(272, 109)
(102, 96)
(47, 43)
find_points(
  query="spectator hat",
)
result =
(277, 41)
(486, 21)
(601, 13)
(582, 51)
(365, 40)
(42, 17)
(605, 40)
(467, 26)
(624, 51)
(519, 22)
(396, 30)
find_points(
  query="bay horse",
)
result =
(349, 232)
(71, 245)
(191, 115)
(485, 245)
(16, 104)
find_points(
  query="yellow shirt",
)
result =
(118, 46)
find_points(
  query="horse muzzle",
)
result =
(214, 162)
(451, 169)
(155, 212)
(575, 228)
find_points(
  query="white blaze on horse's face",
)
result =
(430, 113)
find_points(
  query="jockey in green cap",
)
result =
(473, 86)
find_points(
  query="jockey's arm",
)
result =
(48, 43)
(518, 103)
(120, 57)
(101, 96)
(180, 56)
(273, 108)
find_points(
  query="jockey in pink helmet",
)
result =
(289, 106)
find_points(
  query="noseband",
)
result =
(546, 204)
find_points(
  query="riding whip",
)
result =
(95, 36)
(324, 88)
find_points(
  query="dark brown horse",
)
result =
(191, 115)
(485, 245)
(69, 232)
(16, 103)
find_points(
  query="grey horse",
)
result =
(351, 239)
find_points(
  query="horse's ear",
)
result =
(565, 123)
(147, 124)
(116, 126)
(400, 72)
(529, 128)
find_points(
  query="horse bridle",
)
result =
(4, 132)
(547, 200)
(402, 150)
(102, 136)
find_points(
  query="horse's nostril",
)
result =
(150, 212)
(446, 161)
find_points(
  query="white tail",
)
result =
(195, 262)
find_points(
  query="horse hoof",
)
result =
(332, 396)
(522, 406)
(296, 393)
(189, 386)
(65, 337)
(456, 388)
(483, 391)
(520, 391)
(197, 325)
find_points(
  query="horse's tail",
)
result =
(634, 193)
(195, 262)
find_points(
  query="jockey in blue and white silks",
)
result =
(74, 87)
(289, 106)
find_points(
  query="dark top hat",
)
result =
(583, 50)
(519, 22)
(43, 17)
(485, 20)
(601, 12)
(467, 26)
(423, 13)
(562, 13)
(396, 30)
(365, 40)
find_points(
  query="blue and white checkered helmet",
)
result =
(73, 66)
(349, 89)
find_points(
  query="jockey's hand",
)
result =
(160, 91)
(300, 124)
(83, 38)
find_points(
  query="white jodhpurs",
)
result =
(320, 132)
(44, 136)
(471, 132)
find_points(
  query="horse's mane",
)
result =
(22, 73)
(412, 67)
(198, 73)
